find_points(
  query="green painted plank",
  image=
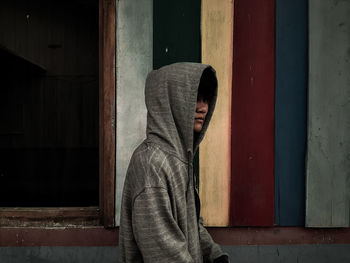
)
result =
(328, 154)
(176, 32)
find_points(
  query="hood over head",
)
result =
(171, 98)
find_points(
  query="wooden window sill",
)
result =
(49, 217)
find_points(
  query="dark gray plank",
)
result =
(328, 154)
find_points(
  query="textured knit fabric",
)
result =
(158, 214)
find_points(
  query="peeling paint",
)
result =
(134, 62)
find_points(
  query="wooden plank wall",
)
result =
(215, 150)
(134, 62)
(290, 112)
(328, 153)
(252, 181)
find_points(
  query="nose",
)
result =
(201, 107)
(201, 110)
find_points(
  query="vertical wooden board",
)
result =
(134, 62)
(328, 151)
(176, 31)
(107, 101)
(252, 181)
(215, 150)
(290, 112)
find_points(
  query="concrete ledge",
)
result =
(243, 254)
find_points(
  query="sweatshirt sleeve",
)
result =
(211, 251)
(156, 232)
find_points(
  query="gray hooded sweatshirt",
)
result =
(159, 221)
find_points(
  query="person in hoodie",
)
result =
(160, 219)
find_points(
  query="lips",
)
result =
(201, 120)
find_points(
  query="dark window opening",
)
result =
(49, 103)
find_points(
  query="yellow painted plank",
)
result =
(215, 150)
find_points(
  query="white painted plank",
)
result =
(134, 62)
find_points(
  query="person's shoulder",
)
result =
(147, 155)
(161, 161)
(151, 166)
(145, 166)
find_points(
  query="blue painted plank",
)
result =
(290, 111)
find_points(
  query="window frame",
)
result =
(103, 214)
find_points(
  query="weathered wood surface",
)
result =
(215, 150)
(134, 61)
(176, 28)
(107, 102)
(252, 180)
(328, 152)
(290, 111)
(49, 217)
(225, 236)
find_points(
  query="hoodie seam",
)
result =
(143, 190)
(167, 152)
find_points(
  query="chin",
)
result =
(197, 129)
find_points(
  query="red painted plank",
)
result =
(252, 181)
